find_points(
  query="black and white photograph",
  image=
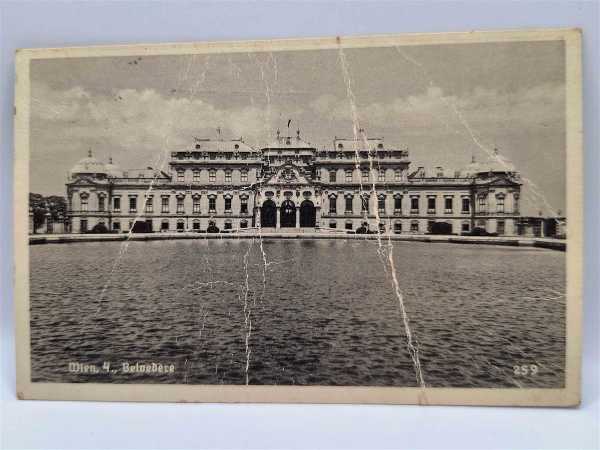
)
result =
(367, 220)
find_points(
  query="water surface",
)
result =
(320, 313)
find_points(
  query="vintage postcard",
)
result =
(378, 219)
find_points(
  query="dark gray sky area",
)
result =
(444, 103)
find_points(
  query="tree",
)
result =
(55, 205)
(363, 229)
(99, 228)
(212, 228)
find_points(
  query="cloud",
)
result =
(148, 120)
(143, 119)
(484, 109)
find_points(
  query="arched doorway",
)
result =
(287, 214)
(308, 214)
(268, 214)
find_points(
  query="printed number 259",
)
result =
(525, 369)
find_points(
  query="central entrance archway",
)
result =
(268, 214)
(288, 214)
(308, 214)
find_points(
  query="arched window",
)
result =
(132, 203)
(448, 204)
(381, 203)
(398, 204)
(196, 203)
(500, 203)
(212, 204)
(349, 201)
(101, 202)
(482, 202)
(364, 203)
(149, 207)
(84, 201)
(431, 204)
(227, 198)
(243, 204)
(466, 205)
(180, 204)
(333, 204)
(414, 204)
(164, 204)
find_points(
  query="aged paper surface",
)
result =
(382, 219)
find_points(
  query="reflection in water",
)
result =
(327, 314)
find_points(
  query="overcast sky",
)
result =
(444, 103)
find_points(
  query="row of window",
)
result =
(212, 175)
(220, 155)
(379, 154)
(254, 155)
(180, 206)
(399, 175)
(431, 205)
(414, 205)
(415, 226)
(482, 204)
(164, 226)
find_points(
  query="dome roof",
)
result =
(89, 166)
(471, 169)
(500, 163)
(495, 163)
(113, 170)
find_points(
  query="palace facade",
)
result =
(291, 184)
